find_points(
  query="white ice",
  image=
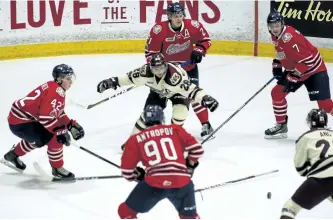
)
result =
(239, 149)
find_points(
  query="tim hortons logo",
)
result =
(176, 48)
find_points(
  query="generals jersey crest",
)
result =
(60, 91)
(157, 29)
(195, 23)
(286, 37)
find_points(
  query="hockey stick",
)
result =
(49, 178)
(115, 95)
(235, 181)
(96, 155)
(236, 112)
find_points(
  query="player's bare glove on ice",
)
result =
(76, 130)
(112, 83)
(291, 82)
(140, 173)
(209, 102)
(191, 166)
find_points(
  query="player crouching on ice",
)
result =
(314, 160)
(303, 65)
(180, 39)
(166, 81)
(168, 174)
(39, 119)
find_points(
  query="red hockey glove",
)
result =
(291, 83)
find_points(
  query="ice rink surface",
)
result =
(239, 149)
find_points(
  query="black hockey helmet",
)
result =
(275, 17)
(61, 71)
(153, 115)
(175, 8)
(317, 118)
(157, 64)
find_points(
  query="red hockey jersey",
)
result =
(177, 46)
(297, 53)
(161, 150)
(44, 104)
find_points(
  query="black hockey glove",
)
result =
(140, 173)
(64, 138)
(277, 69)
(191, 166)
(112, 83)
(291, 82)
(76, 130)
(209, 102)
(197, 53)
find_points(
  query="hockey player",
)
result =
(161, 149)
(313, 159)
(174, 38)
(166, 81)
(302, 64)
(39, 119)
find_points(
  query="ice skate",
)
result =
(62, 173)
(279, 131)
(206, 130)
(13, 161)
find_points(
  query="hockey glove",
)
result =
(112, 83)
(64, 138)
(209, 102)
(291, 82)
(76, 130)
(197, 53)
(277, 69)
(191, 166)
(139, 173)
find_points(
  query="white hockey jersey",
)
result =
(314, 153)
(175, 81)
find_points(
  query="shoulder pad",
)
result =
(195, 23)
(145, 71)
(157, 28)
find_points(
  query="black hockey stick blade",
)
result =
(95, 155)
(238, 110)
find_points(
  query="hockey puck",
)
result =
(269, 195)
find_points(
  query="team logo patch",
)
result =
(157, 29)
(286, 37)
(175, 78)
(61, 92)
(195, 23)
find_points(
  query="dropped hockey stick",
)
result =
(96, 155)
(49, 178)
(236, 112)
(235, 181)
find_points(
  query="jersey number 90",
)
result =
(157, 151)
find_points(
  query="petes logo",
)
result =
(157, 29)
(175, 78)
(60, 91)
(286, 37)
